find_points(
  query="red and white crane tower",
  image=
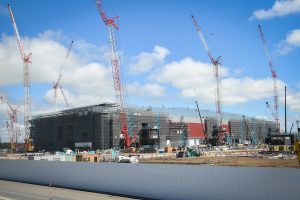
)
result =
(12, 127)
(116, 72)
(26, 73)
(215, 62)
(274, 76)
(57, 84)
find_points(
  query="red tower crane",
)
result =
(116, 72)
(57, 84)
(26, 73)
(215, 62)
(274, 76)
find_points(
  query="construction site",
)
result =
(94, 140)
(119, 127)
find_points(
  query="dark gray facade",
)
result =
(251, 129)
(97, 124)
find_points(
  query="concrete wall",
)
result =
(161, 181)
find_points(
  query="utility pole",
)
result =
(285, 120)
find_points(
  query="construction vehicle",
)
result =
(128, 137)
(253, 134)
(29, 146)
(218, 134)
(274, 77)
(203, 126)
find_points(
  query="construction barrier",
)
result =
(160, 181)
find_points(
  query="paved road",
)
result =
(23, 191)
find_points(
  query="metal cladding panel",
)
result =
(160, 181)
(239, 129)
(195, 130)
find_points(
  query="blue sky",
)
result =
(163, 60)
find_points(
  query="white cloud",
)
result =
(146, 61)
(85, 81)
(279, 9)
(293, 101)
(190, 76)
(147, 90)
(292, 41)
(293, 37)
(88, 77)
(195, 79)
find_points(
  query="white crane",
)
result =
(26, 61)
(57, 85)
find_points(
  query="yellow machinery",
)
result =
(29, 146)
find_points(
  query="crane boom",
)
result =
(116, 72)
(17, 32)
(26, 74)
(215, 63)
(65, 98)
(274, 76)
(57, 85)
(198, 110)
(69, 50)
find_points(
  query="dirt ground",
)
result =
(227, 161)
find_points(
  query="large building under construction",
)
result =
(98, 127)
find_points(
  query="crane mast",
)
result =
(26, 73)
(115, 64)
(12, 128)
(215, 63)
(274, 77)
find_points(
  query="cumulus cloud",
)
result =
(195, 79)
(291, 42)
(86, 75)
(145, 61)
(190, 77)
(79, 76)
(293, 100)
(279, 9)
(149, 89)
